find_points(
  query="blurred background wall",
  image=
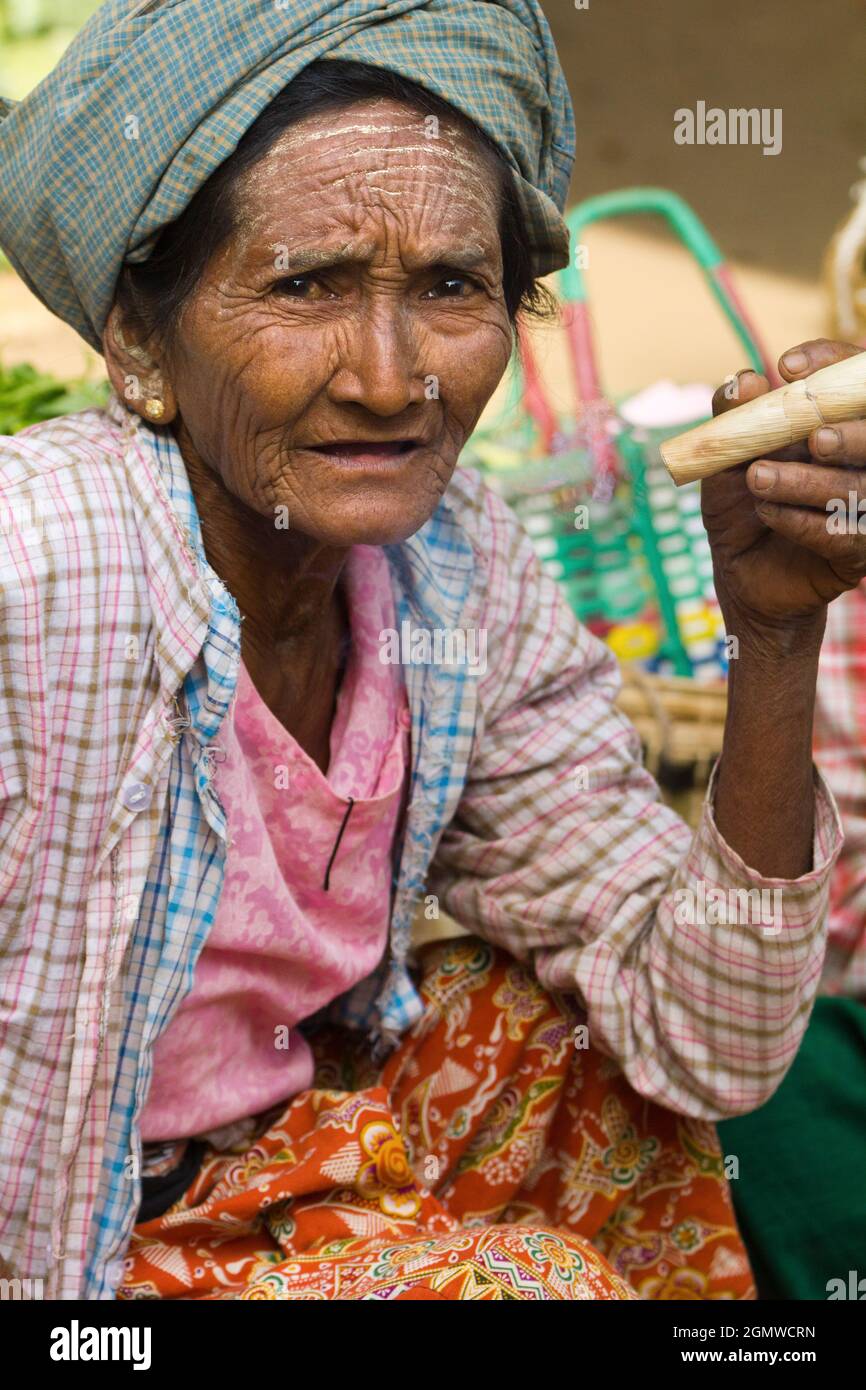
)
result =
(631, 63)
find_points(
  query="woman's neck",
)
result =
(289, 592)
(284, 581)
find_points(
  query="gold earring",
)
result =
(154, 408)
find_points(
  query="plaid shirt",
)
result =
(529, 815)
(840, 751)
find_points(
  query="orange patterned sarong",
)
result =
(495, 1155)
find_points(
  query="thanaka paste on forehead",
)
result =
(445, 142)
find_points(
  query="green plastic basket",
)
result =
(628, 546)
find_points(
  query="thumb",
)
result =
(743, 386)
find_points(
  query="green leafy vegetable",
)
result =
(28, 396)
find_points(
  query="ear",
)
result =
(137, 373)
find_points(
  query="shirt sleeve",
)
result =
(840, 739)
(697, 973)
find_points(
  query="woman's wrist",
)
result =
(772, 683)
(773, 644)
(764, 800)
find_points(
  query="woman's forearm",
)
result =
(764, 802)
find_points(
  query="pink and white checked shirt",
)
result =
(840, 752)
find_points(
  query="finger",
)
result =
(741, 387)
(803, 484)
(793, 453)
(807, 357)
(846, 552)
(842, 443)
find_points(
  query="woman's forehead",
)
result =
(376, 115)
(331, 145)
(335, 168)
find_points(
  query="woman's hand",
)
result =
(780, 555)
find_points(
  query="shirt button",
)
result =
(136, 797)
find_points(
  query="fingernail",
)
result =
(796, 361)
(828, 441)
(764, 477)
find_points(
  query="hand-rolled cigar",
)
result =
(770, 422)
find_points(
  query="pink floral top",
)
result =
(282, 946)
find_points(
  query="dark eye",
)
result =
(300, 287)
(452, 287)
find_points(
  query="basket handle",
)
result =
(693, 234)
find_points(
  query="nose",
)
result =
(377, 363)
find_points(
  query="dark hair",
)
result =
(153, 292)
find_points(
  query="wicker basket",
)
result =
(590, 486)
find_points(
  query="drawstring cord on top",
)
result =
(345, 822)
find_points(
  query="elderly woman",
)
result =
(301, 235)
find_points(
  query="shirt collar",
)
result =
(170, 538)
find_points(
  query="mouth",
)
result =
(366, 453)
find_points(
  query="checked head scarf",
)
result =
(153, 95)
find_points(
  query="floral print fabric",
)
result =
(496, 1155)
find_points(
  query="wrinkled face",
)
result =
(340, 348)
